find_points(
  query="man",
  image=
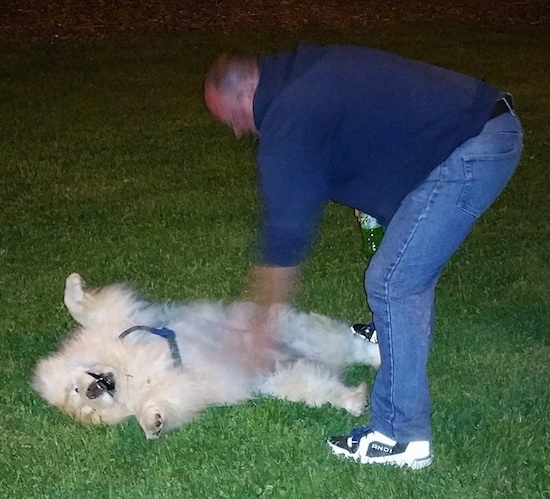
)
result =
(422, 149)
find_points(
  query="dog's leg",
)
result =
(327, 341)
(162, 416)
(363, 351)
(171, 404)
(308, 382)
(151, 420)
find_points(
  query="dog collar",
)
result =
(165, 333)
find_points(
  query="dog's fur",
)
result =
(98, 377)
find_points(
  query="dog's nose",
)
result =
(94, 390)
(104, 382)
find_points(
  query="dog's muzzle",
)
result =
(104, 383)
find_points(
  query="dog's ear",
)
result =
(75, 298)
(50, 380)
(92, 307)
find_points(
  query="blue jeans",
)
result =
(429, 226)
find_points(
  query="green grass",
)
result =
(110, 166)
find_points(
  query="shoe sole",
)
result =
(399, 461)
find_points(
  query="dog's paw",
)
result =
(356, 400)
(151, 422)
(74, 295)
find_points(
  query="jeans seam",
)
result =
(421, 217)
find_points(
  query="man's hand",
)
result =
(270, 288)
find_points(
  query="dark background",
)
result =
(47, 21)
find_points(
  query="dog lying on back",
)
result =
(165, 363)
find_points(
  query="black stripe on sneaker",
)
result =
(378, 449)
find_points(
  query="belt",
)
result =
(504, 104)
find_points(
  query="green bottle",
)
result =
(371, 233)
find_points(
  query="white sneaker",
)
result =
(371, 447)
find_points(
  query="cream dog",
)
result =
(165, 363)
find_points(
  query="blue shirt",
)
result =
(353, 125)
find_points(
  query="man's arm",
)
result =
(271, 285)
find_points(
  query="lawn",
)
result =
(111, 167)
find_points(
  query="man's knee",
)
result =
(377, 279)
(396, 282)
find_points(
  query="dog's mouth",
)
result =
(104, 383)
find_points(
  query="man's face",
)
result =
(233, 110)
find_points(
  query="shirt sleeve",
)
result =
(293, 175)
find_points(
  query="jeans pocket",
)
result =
(485, 176)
